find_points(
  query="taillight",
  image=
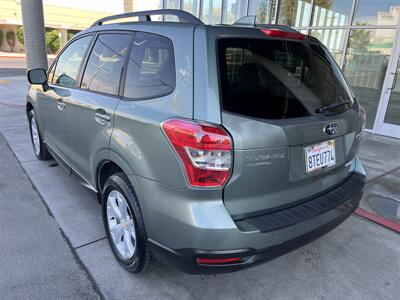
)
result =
(204, 149)
(284, 34)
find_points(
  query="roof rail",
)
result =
(183, 16)
(250, 21)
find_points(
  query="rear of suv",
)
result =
(212, 148)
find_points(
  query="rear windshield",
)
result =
(277, 79)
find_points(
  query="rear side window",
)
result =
(277, 79)
(104, 67)
(151, 67)
(69, 62)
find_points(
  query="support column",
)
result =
(63, 37)
(34, 34)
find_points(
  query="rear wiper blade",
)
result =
(332, 105)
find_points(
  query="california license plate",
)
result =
(320, 156)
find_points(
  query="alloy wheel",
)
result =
(121, 225)
(35, 136)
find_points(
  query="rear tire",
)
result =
(39, 147)
(124, 224)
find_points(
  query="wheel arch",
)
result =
(107, 167)
(28, 108)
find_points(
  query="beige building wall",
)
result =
(128, 6)
(60, 18)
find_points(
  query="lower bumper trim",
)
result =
(185, 259)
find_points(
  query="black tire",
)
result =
(142, 258)
(41, 152)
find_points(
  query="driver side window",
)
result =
(68, 63)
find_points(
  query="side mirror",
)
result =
(38, 76)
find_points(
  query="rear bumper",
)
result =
(184, 225)
(185, 259)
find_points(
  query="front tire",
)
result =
(124, 224)
(39, 147)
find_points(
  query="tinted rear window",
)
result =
(277, 79)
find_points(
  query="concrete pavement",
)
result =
(36, 261)
(381, 158)
(357, 260)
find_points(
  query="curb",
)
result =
(11, 56)
(24, 56)
(392, 225)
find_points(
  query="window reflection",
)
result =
(393, 110)
(333, 39)
(172, 4)
(295, 13)
(331, 13)
(211, 11)
(151, 67)
(372, 12)
(365, 66)
(263, 9)
(68, 63)
(191, 6)
(104, 66)
(233, 10)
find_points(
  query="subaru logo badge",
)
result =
(331, 129)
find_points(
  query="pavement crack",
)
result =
(92, 242)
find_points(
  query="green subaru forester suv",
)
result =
(211, 148)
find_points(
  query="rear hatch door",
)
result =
(293, 120)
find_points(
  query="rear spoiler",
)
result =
(250, 21)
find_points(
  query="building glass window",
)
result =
(295, 13)
(366, 61)
(146, 5)
(192, 6)
(211, 11)
(373, 12)
(333, 39)
(263, 9)
(331, 13)
(234, 10)
(172, 4)
(392, 115)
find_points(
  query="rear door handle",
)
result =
(101, 115)
(60, 104)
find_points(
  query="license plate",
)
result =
(320, 156)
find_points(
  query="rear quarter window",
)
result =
(151, 67)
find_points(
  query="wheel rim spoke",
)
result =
(35, 136)
(116, 233)
(131, 229)
(112, 206)
(123, 206)
(129, 248)
(120, 224)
